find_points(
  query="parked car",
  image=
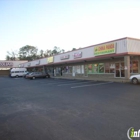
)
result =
(34, 75)
(135, 79)
(26, 74)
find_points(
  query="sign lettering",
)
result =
(77, 55)
(104, 49)
(3, 64)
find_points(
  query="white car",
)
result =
(135, 79)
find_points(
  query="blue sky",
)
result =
(65, 23)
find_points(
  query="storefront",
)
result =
(113, 60)
(5, 66)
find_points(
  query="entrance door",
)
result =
(119, 69)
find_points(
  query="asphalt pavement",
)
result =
(62, 109)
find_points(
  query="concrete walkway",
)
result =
(121, 80)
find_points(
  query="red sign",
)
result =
(77, 55)
(6, 64)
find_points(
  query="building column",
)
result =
(127, 66)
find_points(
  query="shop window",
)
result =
(101, 68)
(69, 69)
(134, 67)
(131, 67)
(78, 70)
(57, 70)
(50, 70)
(112, 68)
(107, 68)
(64, 69)
(89, 68)
(95, 68)
(122, 69)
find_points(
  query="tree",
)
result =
(47, 53)
(7, 57)
(13, 55)
(28, 53)
(73, 49)
(41, 54)
(56, 50)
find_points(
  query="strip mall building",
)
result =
(115, 60)
(5, 66)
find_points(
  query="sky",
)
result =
(65, 23)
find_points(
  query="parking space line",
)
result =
(63, 79)
(58, 82)
(92, 85)
(74, 83)
(61, 82)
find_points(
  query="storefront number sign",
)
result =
(104, 49)
(50, 59)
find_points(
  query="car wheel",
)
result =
(135, 81)
(47, 76)
(33, 78)
(16, 76)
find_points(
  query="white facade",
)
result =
(122, 46)
(10, 64)
(133, 46)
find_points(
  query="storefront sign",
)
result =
(6, 64)
(104, 49)
(37, 62)
(77, 55)
(21, 65)
(29, 64)
(64, 57)
(50, 59)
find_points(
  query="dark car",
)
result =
(34, 75)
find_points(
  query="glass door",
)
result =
(119, 69)
(122, 69)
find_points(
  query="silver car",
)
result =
(34, 75)
(135, 79)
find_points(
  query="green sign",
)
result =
(104, 49)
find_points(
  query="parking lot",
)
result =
(60, 109)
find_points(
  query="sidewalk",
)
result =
(121, 80)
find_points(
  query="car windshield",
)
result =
(31, 73)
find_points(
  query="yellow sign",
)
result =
(50, 59)
(104, 49)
